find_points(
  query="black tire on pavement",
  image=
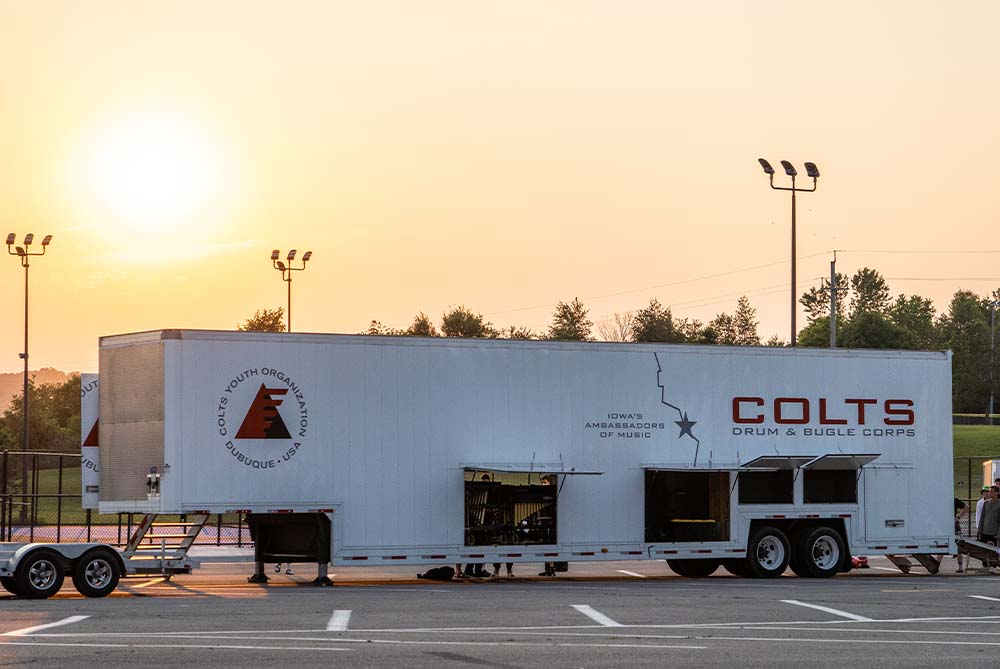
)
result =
(737, 567)
(821, 552)
(8, 584)
(96, 574)
(39, 575)
(693, 568)
(768, 552)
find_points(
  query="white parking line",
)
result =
(630, 573)
(28, 630)
(339, 620)
(827, 609)
(989, 599)
(153, 645)
(596, 616)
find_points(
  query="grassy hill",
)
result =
(976, 441)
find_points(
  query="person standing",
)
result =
(984, 495)
(960, 512)
(989, 522)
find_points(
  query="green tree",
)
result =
(745, 324)
(870, 329)
(816, 300)
(816, 334)
(721, 330)
(775, 341)
(516, 332)
(53, 418)
(965, 329)
(422, 326)
(267, 320)
(869, 293)
(570, 322)
(655, 323)
(462, 322)
(375, 328)
(914, 315)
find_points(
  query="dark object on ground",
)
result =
(438, 574)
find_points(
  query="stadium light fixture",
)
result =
(24, 255)
(286, 273)
(790, 170)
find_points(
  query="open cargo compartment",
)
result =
(514, 505)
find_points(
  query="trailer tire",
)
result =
(8, 584)
(39, 575)
(820, 552)
(768, 552)
(737, 567)
(96, 574)
(693, 568)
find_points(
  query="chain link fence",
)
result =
(40, 501)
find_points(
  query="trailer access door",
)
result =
(687, 504)
(887, 503)
(514, 504)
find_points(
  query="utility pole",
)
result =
(833, 301)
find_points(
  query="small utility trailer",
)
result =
(365, 450)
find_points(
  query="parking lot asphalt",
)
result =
(600, 614)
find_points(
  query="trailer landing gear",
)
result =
(322, 580)
(258, 575)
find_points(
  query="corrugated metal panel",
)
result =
(131, 419)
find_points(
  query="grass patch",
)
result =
(976, 441)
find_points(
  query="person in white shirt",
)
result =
(983, 494)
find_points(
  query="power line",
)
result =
(942, 278)
(899, 251)
(662, 285)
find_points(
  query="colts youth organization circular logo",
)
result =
(262, 418)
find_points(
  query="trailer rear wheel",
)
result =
(693, 568)
(39, 575)
(768, 553)
(8, 584)
(820, 552)
(96, 574)
(737, 567)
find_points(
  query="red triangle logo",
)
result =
(91, 439)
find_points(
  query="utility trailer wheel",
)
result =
(8, 584)
(96, 574)
(820, 552)
(768, 552)
(693, 568)
(737, 567)
(39, 575)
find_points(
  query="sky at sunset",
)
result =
(504, 156)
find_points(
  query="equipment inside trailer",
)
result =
(687, 505)
(509, 508)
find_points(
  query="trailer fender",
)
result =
(68, 552)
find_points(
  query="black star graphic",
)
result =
(685, 426)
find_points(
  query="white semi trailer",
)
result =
(387, 450)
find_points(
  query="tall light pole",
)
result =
(790, 171)
(24, 253)
(286, 273)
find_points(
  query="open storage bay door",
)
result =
(508, 504)
(687, 504)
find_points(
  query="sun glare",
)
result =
(152, 173)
